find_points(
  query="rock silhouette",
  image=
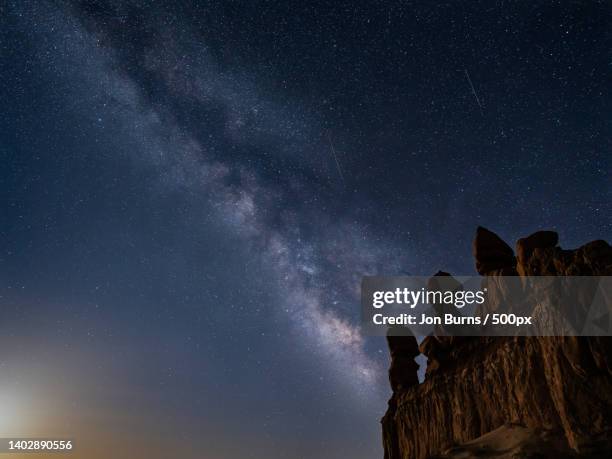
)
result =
(507, 396)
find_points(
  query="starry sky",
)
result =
(192, 191)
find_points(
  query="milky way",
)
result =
(317, 259)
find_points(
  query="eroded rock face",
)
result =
(561, 386)
(513, 441)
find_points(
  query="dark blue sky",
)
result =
(193, 190)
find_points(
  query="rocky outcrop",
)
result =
(550, 396)
(492, 254)
(403, 348)
(526, 246)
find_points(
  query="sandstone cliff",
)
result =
(506, 396)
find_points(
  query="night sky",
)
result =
(191, 192)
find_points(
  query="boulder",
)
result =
(491, 253)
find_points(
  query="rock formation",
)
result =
(506, 396)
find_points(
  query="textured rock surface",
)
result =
(558, 390)
(526, 246)
(513, 441)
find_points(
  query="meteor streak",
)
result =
(473, 91)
